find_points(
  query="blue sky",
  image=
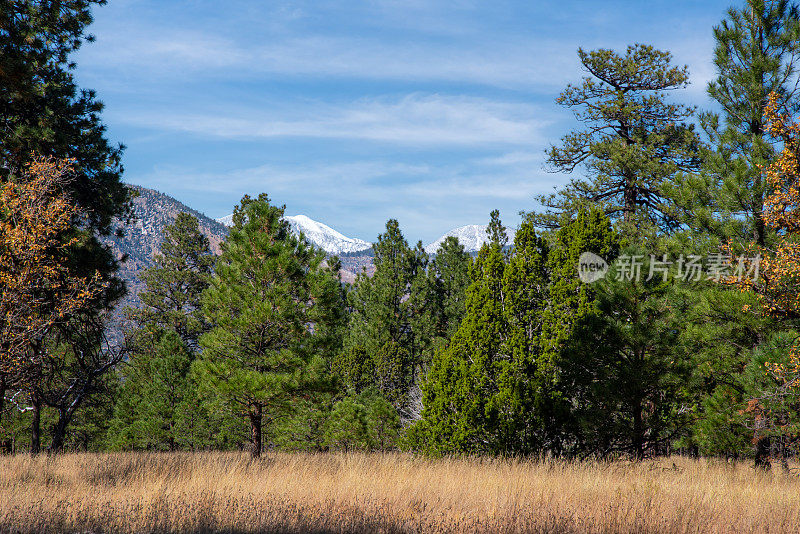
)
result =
(352, 112)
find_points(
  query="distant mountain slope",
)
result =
(154, 211)
(142, 239)
(472, 236)
(319, 234)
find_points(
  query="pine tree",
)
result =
(155, 387)
(381, 340)
(449, 275)
(275, 305)
(158, 400)
(756, 54)
(635, 371)
(44, 112)
(176, 281)
(634, 141)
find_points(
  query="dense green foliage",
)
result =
(274, 303)
(513, 352)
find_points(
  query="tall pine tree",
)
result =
(634, 140)
(275, 305)
(384, 345)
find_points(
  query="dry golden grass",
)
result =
(227, 492)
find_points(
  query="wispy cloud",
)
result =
(512, 63)
(416, 119)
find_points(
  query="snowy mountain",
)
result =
(472, 236)
(319, 234)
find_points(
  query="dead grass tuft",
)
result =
(288, 493)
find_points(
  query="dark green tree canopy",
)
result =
(276, 307)
(176, 281)
(757, 50)
(633, 140)
(388, 313)
(42, 109)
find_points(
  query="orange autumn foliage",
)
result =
(37, 288)
(778, 286)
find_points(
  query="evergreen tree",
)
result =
(176, 281)
(275, 305)
(366, 421)
(159, 406)
(155, 387)
(449, 276)
(383, 346)
(635, 371)
(492, 389)
(756, 54)
(460, 383)
(44, 112)
(496, 231)
(634, 142)
(571, 311)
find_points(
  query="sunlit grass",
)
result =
(229, 492)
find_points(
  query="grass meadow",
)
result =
(287, 493)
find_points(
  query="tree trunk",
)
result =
(2, 394)
(255, 427)
(59, 433)
(638, 434)
(36, 425)
(762, 453)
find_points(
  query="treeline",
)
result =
(650, 306)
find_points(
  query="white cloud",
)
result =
(177, 55)
(415, 119)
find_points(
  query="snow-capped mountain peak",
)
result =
(317, 233)
(324, 236)
(472, 237)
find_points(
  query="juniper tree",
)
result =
(460, 383)
(495, 387)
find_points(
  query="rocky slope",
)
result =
(141, 240)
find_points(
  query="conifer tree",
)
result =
(275, 305)
(389, 309)
(460, 383)
(176, 281)
(159, 405)
(757, 50)
(635, 382)
(44, 112)
(634, 140)
(487, 390)
(449, 275)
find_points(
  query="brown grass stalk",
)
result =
(230, 492)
